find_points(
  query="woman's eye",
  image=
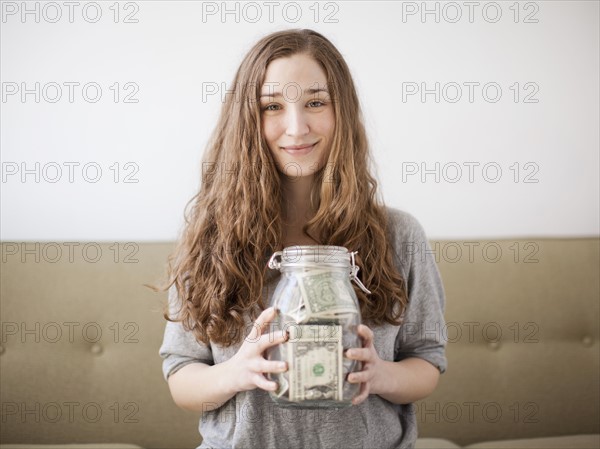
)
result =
(271, 107)
(315, 103)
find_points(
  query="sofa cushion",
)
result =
(70, 446)
(563, 442)
(434, 443)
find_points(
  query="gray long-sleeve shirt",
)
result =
(251, 419)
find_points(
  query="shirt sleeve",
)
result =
(180, 347)
(422, 332)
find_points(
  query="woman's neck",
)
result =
(296, 197)
(297, 210)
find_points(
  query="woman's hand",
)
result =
(371, 364)
(249, 364)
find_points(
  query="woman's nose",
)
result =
(296, 123)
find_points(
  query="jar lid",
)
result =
(317, 256)
(309, 255)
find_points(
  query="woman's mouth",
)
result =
(298, 150)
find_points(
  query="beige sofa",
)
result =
(80, 336)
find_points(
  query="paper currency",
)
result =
(315, 362)
(324, 294)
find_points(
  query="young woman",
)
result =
(288, 165)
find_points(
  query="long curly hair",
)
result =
(235, 221)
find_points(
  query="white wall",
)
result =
(174, 50)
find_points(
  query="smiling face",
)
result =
(297, 115)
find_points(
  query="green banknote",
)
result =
(325, 294)
(315, 362)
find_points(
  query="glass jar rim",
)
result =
(345, 260)
(313, 255)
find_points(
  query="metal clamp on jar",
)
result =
(316, 304)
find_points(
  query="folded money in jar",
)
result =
(318, 308)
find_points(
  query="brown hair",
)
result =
(235, 220)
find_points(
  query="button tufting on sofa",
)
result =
(587, 341)
(96, 349)
(494, 345)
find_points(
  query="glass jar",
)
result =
(317, 306)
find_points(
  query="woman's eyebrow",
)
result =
(306, 92)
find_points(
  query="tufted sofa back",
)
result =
(522, 323)
(80, 336)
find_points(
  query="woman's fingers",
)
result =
(258, 345)
(271, 339)
(261, 322)
(366, 333)
(262, 382)
(363, 354)
(270, 316)
(362, 395)
(367, 356)
(259, 364)
(271, 366)
(357, 377)
(251, 355)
